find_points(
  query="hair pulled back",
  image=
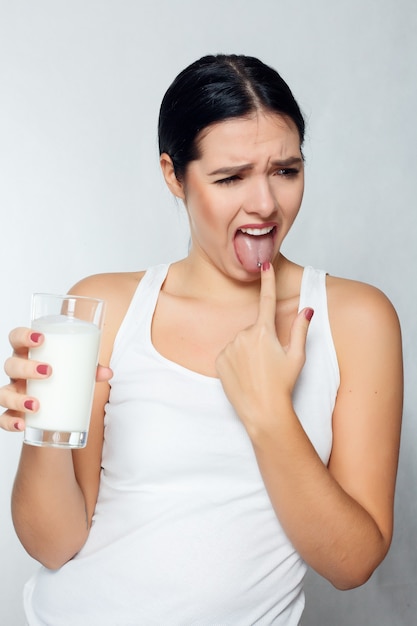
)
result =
(217, 88)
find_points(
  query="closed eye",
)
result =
(227, 181)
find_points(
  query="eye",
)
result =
(287, 172)
(228, 181)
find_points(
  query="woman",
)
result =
(240, 437)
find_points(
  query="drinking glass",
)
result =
(72, 328)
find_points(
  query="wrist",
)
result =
(272, 419)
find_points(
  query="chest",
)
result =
(193, 334)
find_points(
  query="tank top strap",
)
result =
(313, 289)
(138, 319)
(313, 293)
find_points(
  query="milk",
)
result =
(71, 348)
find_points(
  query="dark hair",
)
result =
(216, 88)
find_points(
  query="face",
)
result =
(244, 192)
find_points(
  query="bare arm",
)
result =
(55, 491)
(51, 506)
(339, 517)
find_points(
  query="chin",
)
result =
(244, 275)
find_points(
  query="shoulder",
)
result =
(354, 300)
(361, 317)
(117, 290)
(108, 286)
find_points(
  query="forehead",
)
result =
(244, 136)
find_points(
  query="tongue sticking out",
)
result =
(253, 250)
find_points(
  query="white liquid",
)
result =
(71, 349)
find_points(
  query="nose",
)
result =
(260, 198)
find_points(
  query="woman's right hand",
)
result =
(19, 369)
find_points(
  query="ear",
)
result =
(174, 185)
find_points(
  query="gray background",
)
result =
(81, 192)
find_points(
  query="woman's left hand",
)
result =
(256, 371)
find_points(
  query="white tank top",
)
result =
(184, 533)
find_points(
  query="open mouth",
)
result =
(257, 232)
(254, 245)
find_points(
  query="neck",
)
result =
(198, 278)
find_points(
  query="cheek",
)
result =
(291, 202)
(297, 195)
(202, 211)
(205, 206)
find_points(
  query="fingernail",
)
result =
(35, 337)
(17, 426)
(266, 265)
(309, 314)
(28, 404)
(42, 369)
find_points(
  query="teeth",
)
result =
(257, 231)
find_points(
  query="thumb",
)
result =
(299, 331)
(103, 374)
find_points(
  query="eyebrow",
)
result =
(234, 169)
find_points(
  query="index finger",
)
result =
(268, 296)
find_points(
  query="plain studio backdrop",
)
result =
(80, 188)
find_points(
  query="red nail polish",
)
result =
(16, 426)
(35, 337)
(309, 314)
(42, 369)
(28, 404)
(266, 265)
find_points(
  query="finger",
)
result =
(14, 401)
(103, 374)
(11, 422)
(18, 368)
(299, 330)
(21, 339)
(268, 296)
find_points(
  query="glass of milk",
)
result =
(72, 327)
